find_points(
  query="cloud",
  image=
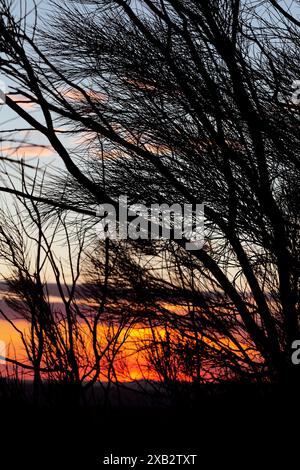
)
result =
(22, 101)
(24, 150)
(75, 95)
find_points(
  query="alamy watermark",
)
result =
(2, 352)
(296, 93)
(3, 92)
(183, 222)
(296, 352)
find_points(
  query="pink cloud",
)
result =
(23, 102)
(76, 95)
(27, 150)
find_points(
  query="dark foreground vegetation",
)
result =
(230, 425)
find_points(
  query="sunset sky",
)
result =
(219, 258)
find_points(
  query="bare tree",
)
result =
(181, 102)
(72, 334)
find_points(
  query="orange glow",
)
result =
(132, 344)
(129, 366)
